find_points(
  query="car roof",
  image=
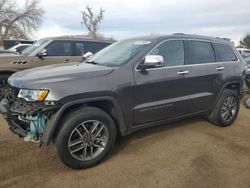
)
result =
(82, 38)
(184, 36)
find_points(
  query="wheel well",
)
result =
(235, 86)
(105, 105)
(7, 72)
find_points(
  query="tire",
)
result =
(68, 135)
(4, 86)
(247, 81)
(218, 117)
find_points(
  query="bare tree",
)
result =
(17, 22)
(92, 21)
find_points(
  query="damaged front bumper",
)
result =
(29, 119)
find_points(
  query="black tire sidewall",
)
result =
(247, 81)
(225, 95)
(73, 121)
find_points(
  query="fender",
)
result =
(53, 122)
(223, 88)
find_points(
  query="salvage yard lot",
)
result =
(190, 153)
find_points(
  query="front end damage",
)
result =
(25, 118)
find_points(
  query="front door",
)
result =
(57, 52)
(163, 93)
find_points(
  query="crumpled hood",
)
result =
(32, 78)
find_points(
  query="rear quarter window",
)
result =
(224, 53)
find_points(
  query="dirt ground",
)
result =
(190, 153)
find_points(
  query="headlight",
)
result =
(33, 95)
(248, 68)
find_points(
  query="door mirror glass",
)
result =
(42, 53)
(87, 56)
(152, 61)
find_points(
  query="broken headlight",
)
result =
(248, 68)
(33, 95)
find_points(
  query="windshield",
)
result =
(118, 53)
(33, 47)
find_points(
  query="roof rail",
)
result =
(178, 34)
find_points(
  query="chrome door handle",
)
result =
(182, 72)
(220, 68)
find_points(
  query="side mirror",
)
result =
(152, 61)
(87, 56)
(42, 53)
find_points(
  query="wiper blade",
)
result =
(92, 62)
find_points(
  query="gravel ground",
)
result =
(190, 153)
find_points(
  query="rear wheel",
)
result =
(85, 138)
(226, 109)
(5, 90)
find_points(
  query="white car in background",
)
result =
(19, 47)
(244, 52)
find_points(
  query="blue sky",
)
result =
(124, 19)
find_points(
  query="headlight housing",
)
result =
(248, 68)
(33, 95)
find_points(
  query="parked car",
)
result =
(19, 47)
(244, 52)
(48, 51)
(247, 77)
(130, 85)
(8, 53)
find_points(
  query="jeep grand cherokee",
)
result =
(130, 85)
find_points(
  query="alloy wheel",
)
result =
(229, 108)
(88, 140)
(6, 91)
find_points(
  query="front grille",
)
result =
(12, 93)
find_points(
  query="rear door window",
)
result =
(79, 49)
(200, 52)
(83, 47)
(224, 53)
(94, 46)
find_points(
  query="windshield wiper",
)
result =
(92, 62)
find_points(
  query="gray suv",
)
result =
(130, 85)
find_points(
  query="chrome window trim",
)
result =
(188, 65)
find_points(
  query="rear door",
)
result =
(82, 47)
(207, 74)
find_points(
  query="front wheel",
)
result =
(5, 91)
(85, 138)
(226, 109)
